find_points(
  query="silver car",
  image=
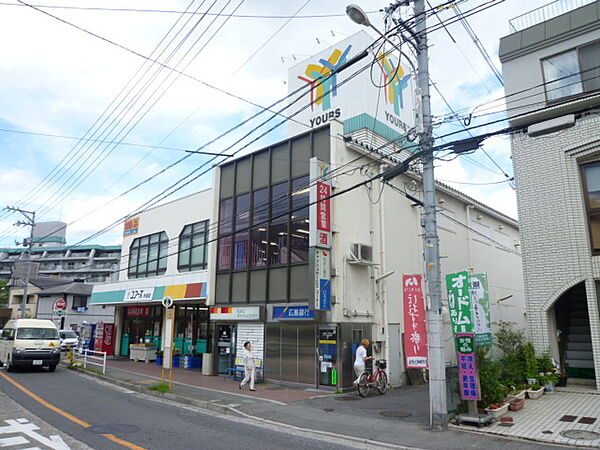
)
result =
(68, 339)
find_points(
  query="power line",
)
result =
(172, 11)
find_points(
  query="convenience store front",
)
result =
(139, 314)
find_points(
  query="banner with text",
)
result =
(467, 367)
(459, 302)
(415, 322)
(320, 205)
(480, 307)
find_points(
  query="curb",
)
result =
(230, 410)
(214, 407)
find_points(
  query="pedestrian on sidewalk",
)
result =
(249, 366)
(361, 358)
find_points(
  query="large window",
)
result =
(148, 255)
(591, 178)
(573, 72)
(80, 301)
(192, 247)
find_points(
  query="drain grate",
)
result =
(328, 409)
(347, 398)
(546, 432)
(587, 420)
(568, 419)
(583, 435)
(398, 414)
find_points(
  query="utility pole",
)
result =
(29, 221)
(433, 274)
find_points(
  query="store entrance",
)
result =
(142, 323)
(191, 329)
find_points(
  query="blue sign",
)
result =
(325, 295)
(293, 313)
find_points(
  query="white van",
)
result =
(28, 343)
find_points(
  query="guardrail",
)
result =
(84, 357)
(543, 13)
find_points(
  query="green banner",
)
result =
(459, 302)
(480, 306)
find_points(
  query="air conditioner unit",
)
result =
(361, 254)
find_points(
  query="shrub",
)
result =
(492, 390)
(530, 360)
(507, 340)
(545, 363)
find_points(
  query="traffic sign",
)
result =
(60, 304)
(167, 302)
(60, 313)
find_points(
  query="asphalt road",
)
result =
(137, 420)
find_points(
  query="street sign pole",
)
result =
(167, 371)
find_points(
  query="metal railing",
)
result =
(83, 356)
(544, 13)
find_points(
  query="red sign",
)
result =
(139, 311)
(60, 304)
(415, 322)
(323, 207)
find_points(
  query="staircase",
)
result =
(579, 356)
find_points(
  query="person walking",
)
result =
(361, 358)
(249, 366)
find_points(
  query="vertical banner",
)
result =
(320, 205)
(168, 342)
(467, 367)
(322, 277)
(459, 302)
(480, 306)
(415, 322)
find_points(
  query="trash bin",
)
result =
(125, 345)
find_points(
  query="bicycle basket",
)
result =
(382, 363)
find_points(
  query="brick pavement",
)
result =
(267, 391)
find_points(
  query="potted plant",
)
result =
(562, 379)
(497, 410)
(517, 392)
(549, 381)
(535, 391)
(531, 364)
(516, 404)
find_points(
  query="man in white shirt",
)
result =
(249, 366)
(361, 357)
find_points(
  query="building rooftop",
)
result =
(62, 248)
(74, 287)
(544, 13)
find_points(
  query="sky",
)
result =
(58, 82)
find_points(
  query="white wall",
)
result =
(93, 314)
(171, 218)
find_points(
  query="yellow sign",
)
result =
(131, 226)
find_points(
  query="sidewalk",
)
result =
(399, 417)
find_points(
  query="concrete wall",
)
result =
(171, 218)
(356, 216)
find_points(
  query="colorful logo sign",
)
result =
(131, 226)
(415, 322)
(322, 83)
(293, 313)
(395, 80)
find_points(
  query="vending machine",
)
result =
(104, 338)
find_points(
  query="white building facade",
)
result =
(551, 74)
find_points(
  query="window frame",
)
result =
(589, 211)
(77, 302)
(546, 83)
(136, 244)
(191, 235)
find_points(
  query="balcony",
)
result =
(544, 13)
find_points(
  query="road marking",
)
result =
(39, 399)
(30, 430)
(66, 415)
(17, 440)
(127, 444)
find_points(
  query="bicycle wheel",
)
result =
(382, 382)
(363, 385)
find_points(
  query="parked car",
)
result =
(29, 343)
(68, 339)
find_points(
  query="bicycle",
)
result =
(378, 379)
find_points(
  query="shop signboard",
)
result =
(131, 226)
(459, 302)
(320, 205)
(467, 367)
(480, 306)
(415, 322)
(139, 295)
(293, 313)
(322, 280)
(139, 311)
(235, 313)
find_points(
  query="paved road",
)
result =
(105, 417)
